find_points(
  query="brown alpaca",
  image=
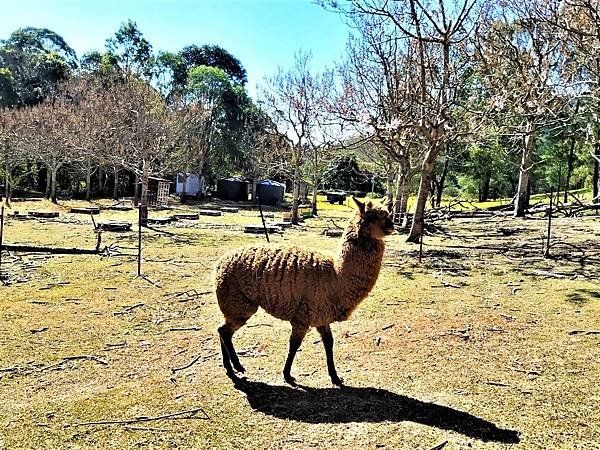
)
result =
(306, 288)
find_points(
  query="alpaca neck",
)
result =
(357, 267)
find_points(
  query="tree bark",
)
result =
(442, 184)
(7, 184)
(484, 193)
(88, 180)
(522, 200)
(389, 178)
(596, 176)
(115, 194)
(418, 223)
(48, 182)
(295, 193)
(136, 195)
(53, 184)
(569, 168)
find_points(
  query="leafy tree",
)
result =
(214, 56)
(344, 173)
(38, 59)
(131, 51)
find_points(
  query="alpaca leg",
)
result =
(327, 339)
(229, 355)
(298, 333)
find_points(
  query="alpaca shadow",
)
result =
(354, 404)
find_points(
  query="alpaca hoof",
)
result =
(337, 381)
(289, 379)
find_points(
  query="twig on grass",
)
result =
(584, 332)
(191, 413)
(194, 361)
(438, 446)
(73, 358)
(128, 309)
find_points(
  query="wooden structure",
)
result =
(85, 210)
(158, 191)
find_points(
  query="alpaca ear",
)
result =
(360, 205)
(369, 204)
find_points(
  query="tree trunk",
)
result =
(7, 186)
(144, 197)
(484, 194)
(48, 183)
(522, 200)
(442, 184)
(315, 212)
(295, 193)
(53, 184)
(136, 195)
(418, 223)
(402, 192)
(569, 168)
(389, 178)
(596, 176)
(254, 186)
(101, 181)
(183, 194)
(88, 180)
(115, 194)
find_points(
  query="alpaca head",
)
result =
(374, 220)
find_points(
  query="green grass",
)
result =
(469, 340)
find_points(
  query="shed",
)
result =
(192, 184)
(232, 188)
(270, 192)
(158, 191)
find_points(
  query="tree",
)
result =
(520, 61)
(214, 56)
(433, 33)
(293, 99)
(34, 61)
(131, 51)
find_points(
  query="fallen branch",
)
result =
(73, 358)
(438, 446)
(194, 361)
(584, 332)
(128, 309)
(177, 415)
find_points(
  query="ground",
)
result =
(483, 344)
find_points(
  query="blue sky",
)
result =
(262, 34)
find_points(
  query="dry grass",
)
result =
(471, 346)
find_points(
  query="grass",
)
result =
(471, 346)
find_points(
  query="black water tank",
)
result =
(270, 192)
(233, 188)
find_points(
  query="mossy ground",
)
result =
(470, 346)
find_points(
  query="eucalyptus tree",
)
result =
(33, 62)
(520, 61)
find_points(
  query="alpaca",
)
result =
(303, 287)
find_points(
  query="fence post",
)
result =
(547, 252)
(139, 259)
(1, 236)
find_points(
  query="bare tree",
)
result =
(430, 31)
(293, 99)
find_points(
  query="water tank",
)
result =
(232, 188)
(270, 192)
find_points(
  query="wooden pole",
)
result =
(547, 252)
(263, 219)
(1, 237)
(139, 261)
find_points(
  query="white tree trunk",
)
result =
(522, 200)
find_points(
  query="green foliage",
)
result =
(214, 56)
(344, 173)
(37, 59)
(8, 88)
(131, 50)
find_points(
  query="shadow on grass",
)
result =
(355, 404)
